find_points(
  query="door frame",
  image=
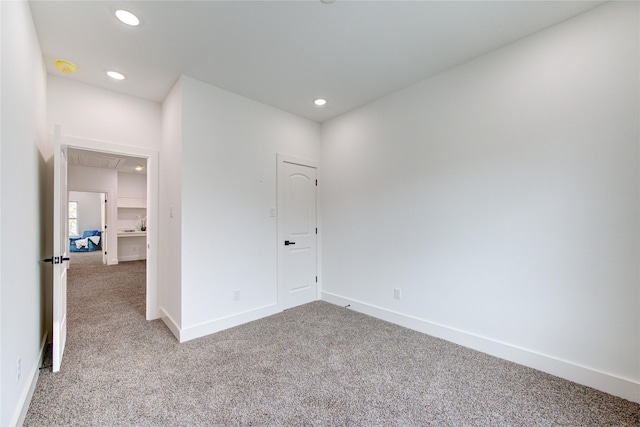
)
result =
(280, 160)
(152, 311)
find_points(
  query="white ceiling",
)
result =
(284, 53)
(94, 159)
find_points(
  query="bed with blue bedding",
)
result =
(89, 241)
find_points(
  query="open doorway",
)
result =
(88, 221)
(122, 181)
(99, 166)
(90, 166)
(96, 148)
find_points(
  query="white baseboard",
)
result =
(217, 325)
(153, 313)
(27, 395)
(170, 322)
(621, 387)
(125, 258)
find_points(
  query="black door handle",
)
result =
(56, 260)
(287, 243)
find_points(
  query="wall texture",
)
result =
(89, 210)
(132, 185)
(94, 113)
(24, 152)
(170, 211)
(228, 161)
(501, 197)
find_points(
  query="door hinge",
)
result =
(316, 182)
(316, 230)
(316, 279)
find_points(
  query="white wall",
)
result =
(24, 154)
(229, 147)
(132, 185)
(90, 112)
(89, 210)
(501, 197)
(170, 217)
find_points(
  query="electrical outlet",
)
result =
(236, 295)
(18, 369)
(397, 294)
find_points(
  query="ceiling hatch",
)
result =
(95, 161)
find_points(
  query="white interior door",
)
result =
(60, 249)
(297, 206)
(104, 218)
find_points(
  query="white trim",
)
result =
(152, 311)
(27, 394)
(608, 383)
(126, 258)
(280, 159)
(170, 322)
(217, 325)
(297, 160)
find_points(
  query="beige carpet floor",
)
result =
(314, 365)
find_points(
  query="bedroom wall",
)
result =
(93, 113)
(132, 185)
(170, 211)
(24, 152)
(229, 147)
(502, 198)
(89, 210)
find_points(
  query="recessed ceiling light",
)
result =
(115, 75)
(320, 102)
(127, 17)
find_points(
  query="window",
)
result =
(73, 219)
